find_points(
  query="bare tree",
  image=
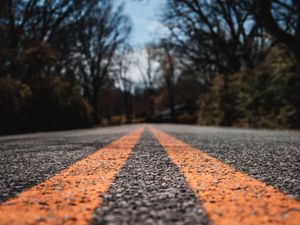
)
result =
(169, 76)
(75, 39)
(98, 42)
(148, 72)
(214, 37)
(281, 18)
(218, 33)
(122, 63)
(37, 27)
(163, 54)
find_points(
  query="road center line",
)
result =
(149, 190)
(229, 196)
(71, 196)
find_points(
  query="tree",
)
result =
(169, 76)
(281, 18)
(98, 42)
(213, 35)
(44, 44)
(35, 26)
(122, 63)
(147, 72)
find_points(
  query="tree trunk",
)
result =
(226, 104)
(128, 108)
(95, 105)
(171, 103)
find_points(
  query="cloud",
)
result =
(139, 56)
(138, 68)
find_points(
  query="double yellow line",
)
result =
(229, 197)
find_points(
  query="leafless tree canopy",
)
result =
(75, 39)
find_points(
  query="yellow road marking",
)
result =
(228, 196)
(70, 196)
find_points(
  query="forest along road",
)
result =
(151, 174)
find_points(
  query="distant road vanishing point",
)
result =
(151, 174)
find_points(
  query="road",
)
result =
(151, 174)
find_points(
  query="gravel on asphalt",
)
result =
(26, 160)
(270, 156)
(149, 189)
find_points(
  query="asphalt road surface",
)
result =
(151, 174)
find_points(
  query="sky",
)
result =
(145, 18)
(144, 15)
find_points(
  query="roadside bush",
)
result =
(186, 118)
(14, 104)
(49, 104)
(57, 104)
(267, 96)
